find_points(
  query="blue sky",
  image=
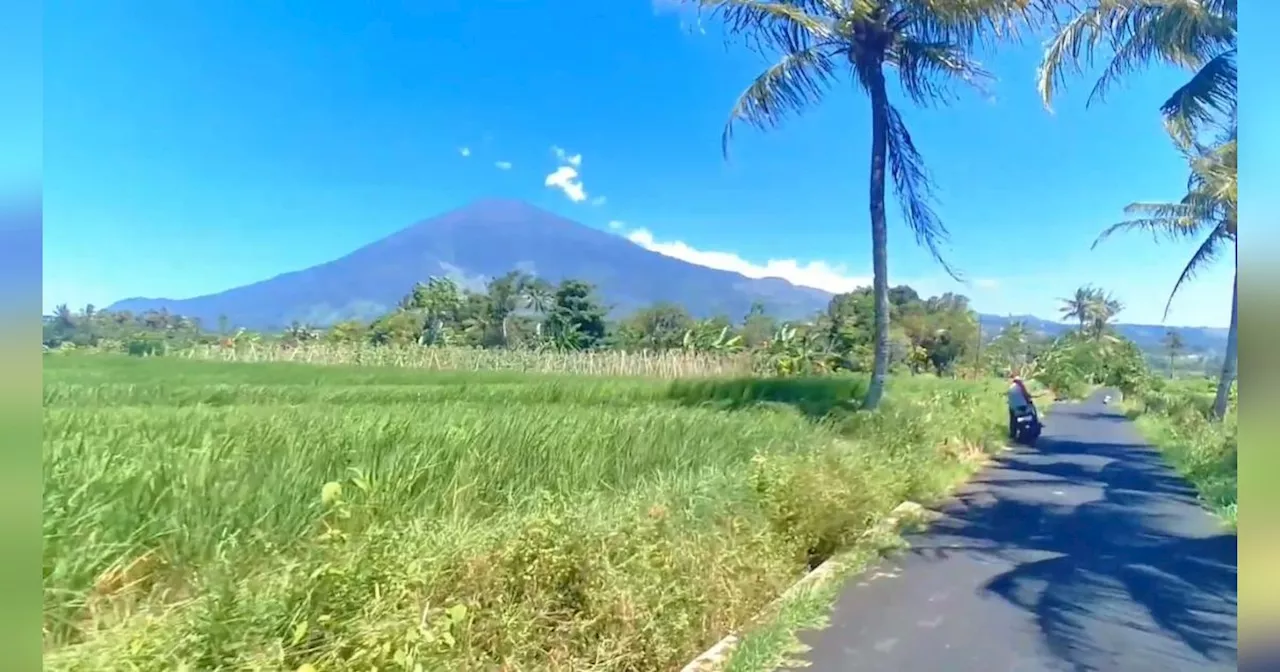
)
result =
(193, 147)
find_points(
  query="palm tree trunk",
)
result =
(1229, 361)
(879, 237)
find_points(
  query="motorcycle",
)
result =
(1026, 427)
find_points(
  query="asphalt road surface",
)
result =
(1085, 553)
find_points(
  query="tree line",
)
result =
(521, 311)
(941, 335)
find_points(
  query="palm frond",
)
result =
(797, 81)
(1166, 221)
(914, 190)
(775, 25)
(1207, 210)
(925, 69)
(1206, 253)
(967, 23)
(1069, 51)
(1214, 174)
(1209, 93)
(1144, 32)
(1191, 213)
(1139, 33)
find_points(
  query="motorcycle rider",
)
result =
(1019, 400)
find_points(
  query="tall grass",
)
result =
(1175, 416)
(671, 364)
(203, 515)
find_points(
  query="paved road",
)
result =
(1086, 553)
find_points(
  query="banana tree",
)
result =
(706, 337)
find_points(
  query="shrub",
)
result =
(1176, 418)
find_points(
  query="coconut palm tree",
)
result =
(1076, 306)
(538, 295)
(1197, 35)
(1013, 344)
(1207, 212)
(1173, 344)
(1101, 310)
(928, 44)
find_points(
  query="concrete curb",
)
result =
(904, 513)
(714, 657)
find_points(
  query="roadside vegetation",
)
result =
(1178, 417)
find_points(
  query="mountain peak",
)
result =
(508, 207)
(477, 242)
(499, 216)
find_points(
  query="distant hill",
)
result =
(1206, 341)
(488, 238)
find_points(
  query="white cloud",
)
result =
(574, 160)
(816, 274)
(599, 200)
(464, 151)
(834, 278)
(689, 18)
(566, 179)
(503, 165)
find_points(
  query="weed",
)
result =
(1175, 416)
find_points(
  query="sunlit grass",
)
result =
(569, 522)
(1175, 417)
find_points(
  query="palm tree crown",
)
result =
(1092, 308)
(1076, 306)
(1198, 35)
(1207, 212)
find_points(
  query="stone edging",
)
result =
(903, 514)
(714, 657)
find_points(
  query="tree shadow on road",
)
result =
(1104, 539)
(1115, 416)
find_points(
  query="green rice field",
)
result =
(207, 515)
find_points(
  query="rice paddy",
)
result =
(275, 515)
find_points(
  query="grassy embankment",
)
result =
(210, 515)
(1174, 416)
